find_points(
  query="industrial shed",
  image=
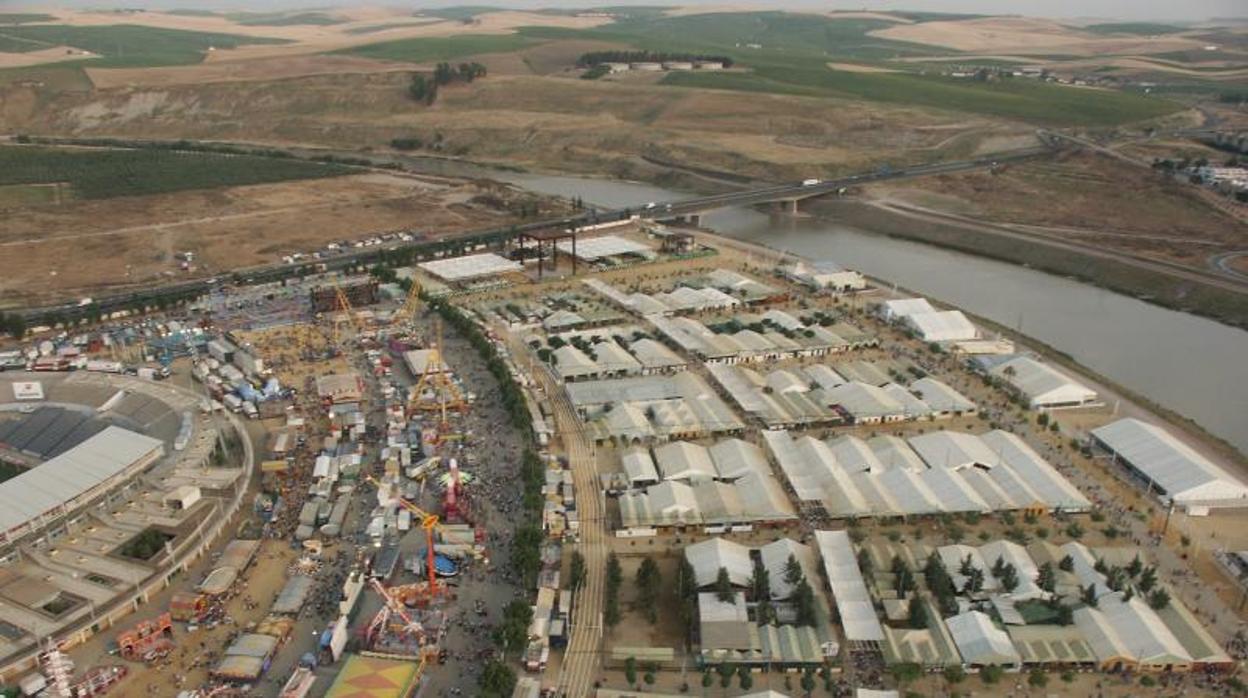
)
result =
(681, 460)
(603, 247)
(1130, 635)
(639, 468)
(942, 326)
(775, 557)
(655, 357)
(751, 499)
(1051, 646)
(1178, 473)
(904, 307)
(1044, 387)
(853, 602)
(943, 400)
(74, 478)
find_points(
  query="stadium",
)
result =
(110, 485)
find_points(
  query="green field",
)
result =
(1140, 28)
(102, 174)
(23, 17)
(19, 195)
(133, 46)
(444, 48)
(282, 19)
(374, 28)
(790, 52)
(54, 77)
(13, 44)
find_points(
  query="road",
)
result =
(582, 657)
(107, 303)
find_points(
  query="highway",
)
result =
(354, 257)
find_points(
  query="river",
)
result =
(1193, 366)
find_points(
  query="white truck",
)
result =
(809, 182)
(249, 409)
(233, 402)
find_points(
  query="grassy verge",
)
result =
(101, 174)
(439, 48)
(133, 46)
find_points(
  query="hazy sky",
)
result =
(1184, 10)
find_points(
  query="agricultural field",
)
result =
(431, 49)
(125, 45)
(23, 17)
(1141, 28)
(103, 174)
(1023, 100)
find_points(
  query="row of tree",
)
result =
(13, 325)
(424, 88)
(596, 57)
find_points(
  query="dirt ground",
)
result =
(54, 54)
(233, 71)
(1029, 36)
(1083, 198)
(86, 245)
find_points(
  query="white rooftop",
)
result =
(1185, 475)
(471, 266)
(590, 249)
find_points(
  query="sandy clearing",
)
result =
(859, 68)
(55, 54)
(238, 71)
(1022, 35)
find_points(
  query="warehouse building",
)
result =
(655, 357)
(708, 556)
(749, 340)
(943, 326)
(471, 267)
(1173, 469)
(605, 248)
(931, 473)
(900, 308)
(1044, 387)
(825, 276)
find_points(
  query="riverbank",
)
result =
(1163, 289)
(1135, 404)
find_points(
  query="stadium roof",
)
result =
(65, 478)
(1184, 475)
(470, 266)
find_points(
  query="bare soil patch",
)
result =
(1027, 36)
(54, 54)
(860, 68)
(235, 71)
(96, 244)
(1083, 198)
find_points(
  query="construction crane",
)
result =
(346, 315)
(408, 311)
(437, 377)
(429, 522)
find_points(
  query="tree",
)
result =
(918, 614)
(954, 674)
(1148, 579)
(723, 586)
(1065, 615)
(792, 571)
(649, 579)
(1066, 564)
(513, 632)
(991, 674)
(808, 682)
(648, 677)
(497, 679)
(1089, 595)
(576, 577)
(1158, 599)
(864, 561)
(905, 672)
(707, 679)
(630, 671)
(1046, 578)
(967, 566)
(1038, 678)
(998, 567)
(760, 582)
(1009, 578)
(687, 587)
(804, 603)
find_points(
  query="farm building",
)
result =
(1177, 472)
